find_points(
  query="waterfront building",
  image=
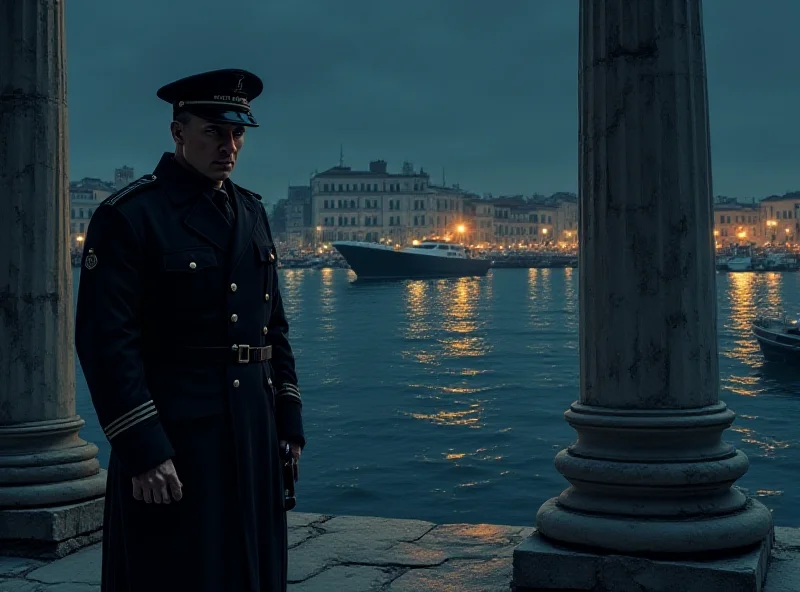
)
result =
(451, 220)
(397, 208)
(779, 217)
(123, 177)
(300, 233)
(84, 197)
(737, 223)
(522, 222)
(566, 217)
(479, 221)
(378, 206)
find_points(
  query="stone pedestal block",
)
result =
(51, 532)
(541, 565)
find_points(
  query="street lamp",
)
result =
(771, 224)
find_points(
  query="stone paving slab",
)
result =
(365, 554)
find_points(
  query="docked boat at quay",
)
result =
(428, 259)
(758, 260)
(534, 260)
(779, 339)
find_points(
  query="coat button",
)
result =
(233, 287)
(234, 318)
(236, 383)
(192, 265)
(266, 296)
(265, 330)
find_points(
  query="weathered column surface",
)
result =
(51, 485)
(649, 473)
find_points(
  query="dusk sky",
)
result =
(485, 90)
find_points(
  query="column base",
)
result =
(51, 532)
(542, 565)
(673, 536)
(51, 489)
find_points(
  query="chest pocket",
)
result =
(192, 276)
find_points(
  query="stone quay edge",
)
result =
(355, 554)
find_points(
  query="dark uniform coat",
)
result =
(169, 290)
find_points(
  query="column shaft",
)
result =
(647, 283)
(43, 461)
(649, 472)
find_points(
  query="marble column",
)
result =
(650, 474)
(51, 484)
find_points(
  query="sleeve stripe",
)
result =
(123, 421)
(289, 390)
(132, 422)
(123, 418)
(289, 387)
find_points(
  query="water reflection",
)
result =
(419, 327)
(742, 299)
(290, 282)
(469, 417)
(571, 291)
(327, 299)
(460, 302)
(768, 446)
(444, 328)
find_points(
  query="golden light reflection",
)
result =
(459, 301)
(767, 493)
(466, 417)
(540, 294)
(418, 303)
(291, 282)
(482, 534)
(327, 299)
(443, 329)
(769, 447)
(741, 294)
(749, 295)
(571, 291)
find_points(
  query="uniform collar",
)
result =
(185, 183)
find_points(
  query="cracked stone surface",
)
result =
(364, 554)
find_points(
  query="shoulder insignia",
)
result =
(91, 260)
(252, 194)
(129, 191)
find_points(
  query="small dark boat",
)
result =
(779, 339)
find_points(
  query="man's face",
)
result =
(210, 148)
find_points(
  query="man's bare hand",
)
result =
(157, 484)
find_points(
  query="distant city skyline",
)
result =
(488, 95)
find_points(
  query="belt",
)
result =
(235, 354)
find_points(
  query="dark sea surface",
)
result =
(443, 400)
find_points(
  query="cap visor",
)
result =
(227, 117)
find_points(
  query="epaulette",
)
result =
(252, 194)
(128, 191)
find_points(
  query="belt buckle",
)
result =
(243, 356)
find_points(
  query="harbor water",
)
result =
(443, 400)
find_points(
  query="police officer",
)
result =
(183, 340)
